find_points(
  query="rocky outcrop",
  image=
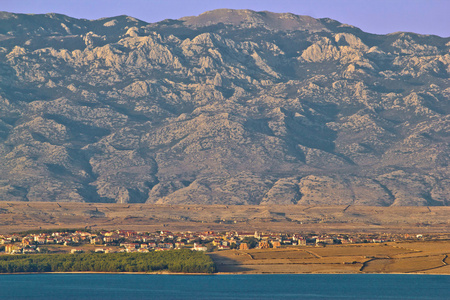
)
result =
(229, 107)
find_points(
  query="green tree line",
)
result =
(174, 261)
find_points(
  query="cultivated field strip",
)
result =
(405, 257)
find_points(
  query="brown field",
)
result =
(367, 250)
(427, 257)
(279, 254)
(404, 265)
(19, 216)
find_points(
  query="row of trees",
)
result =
(173, 261)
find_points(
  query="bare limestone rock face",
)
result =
(228, 107)
(284, 191)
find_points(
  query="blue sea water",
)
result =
(301, 286)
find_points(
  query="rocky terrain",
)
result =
(229, 107)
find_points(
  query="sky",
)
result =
(374, 16)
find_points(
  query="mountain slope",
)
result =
(232, 107)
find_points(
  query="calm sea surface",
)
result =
(127, 286)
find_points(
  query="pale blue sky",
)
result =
(375, 16)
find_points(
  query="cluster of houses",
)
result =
(133, 241)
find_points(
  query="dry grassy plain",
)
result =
(415, 257)
(18, 216)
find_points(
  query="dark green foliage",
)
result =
(173, 261)
(251, 242)
(210, 247)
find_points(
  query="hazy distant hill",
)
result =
(232, 106)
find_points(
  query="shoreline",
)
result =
(220, 273)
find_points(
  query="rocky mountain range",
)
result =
(228, 107)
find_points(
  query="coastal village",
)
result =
(78, 241)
